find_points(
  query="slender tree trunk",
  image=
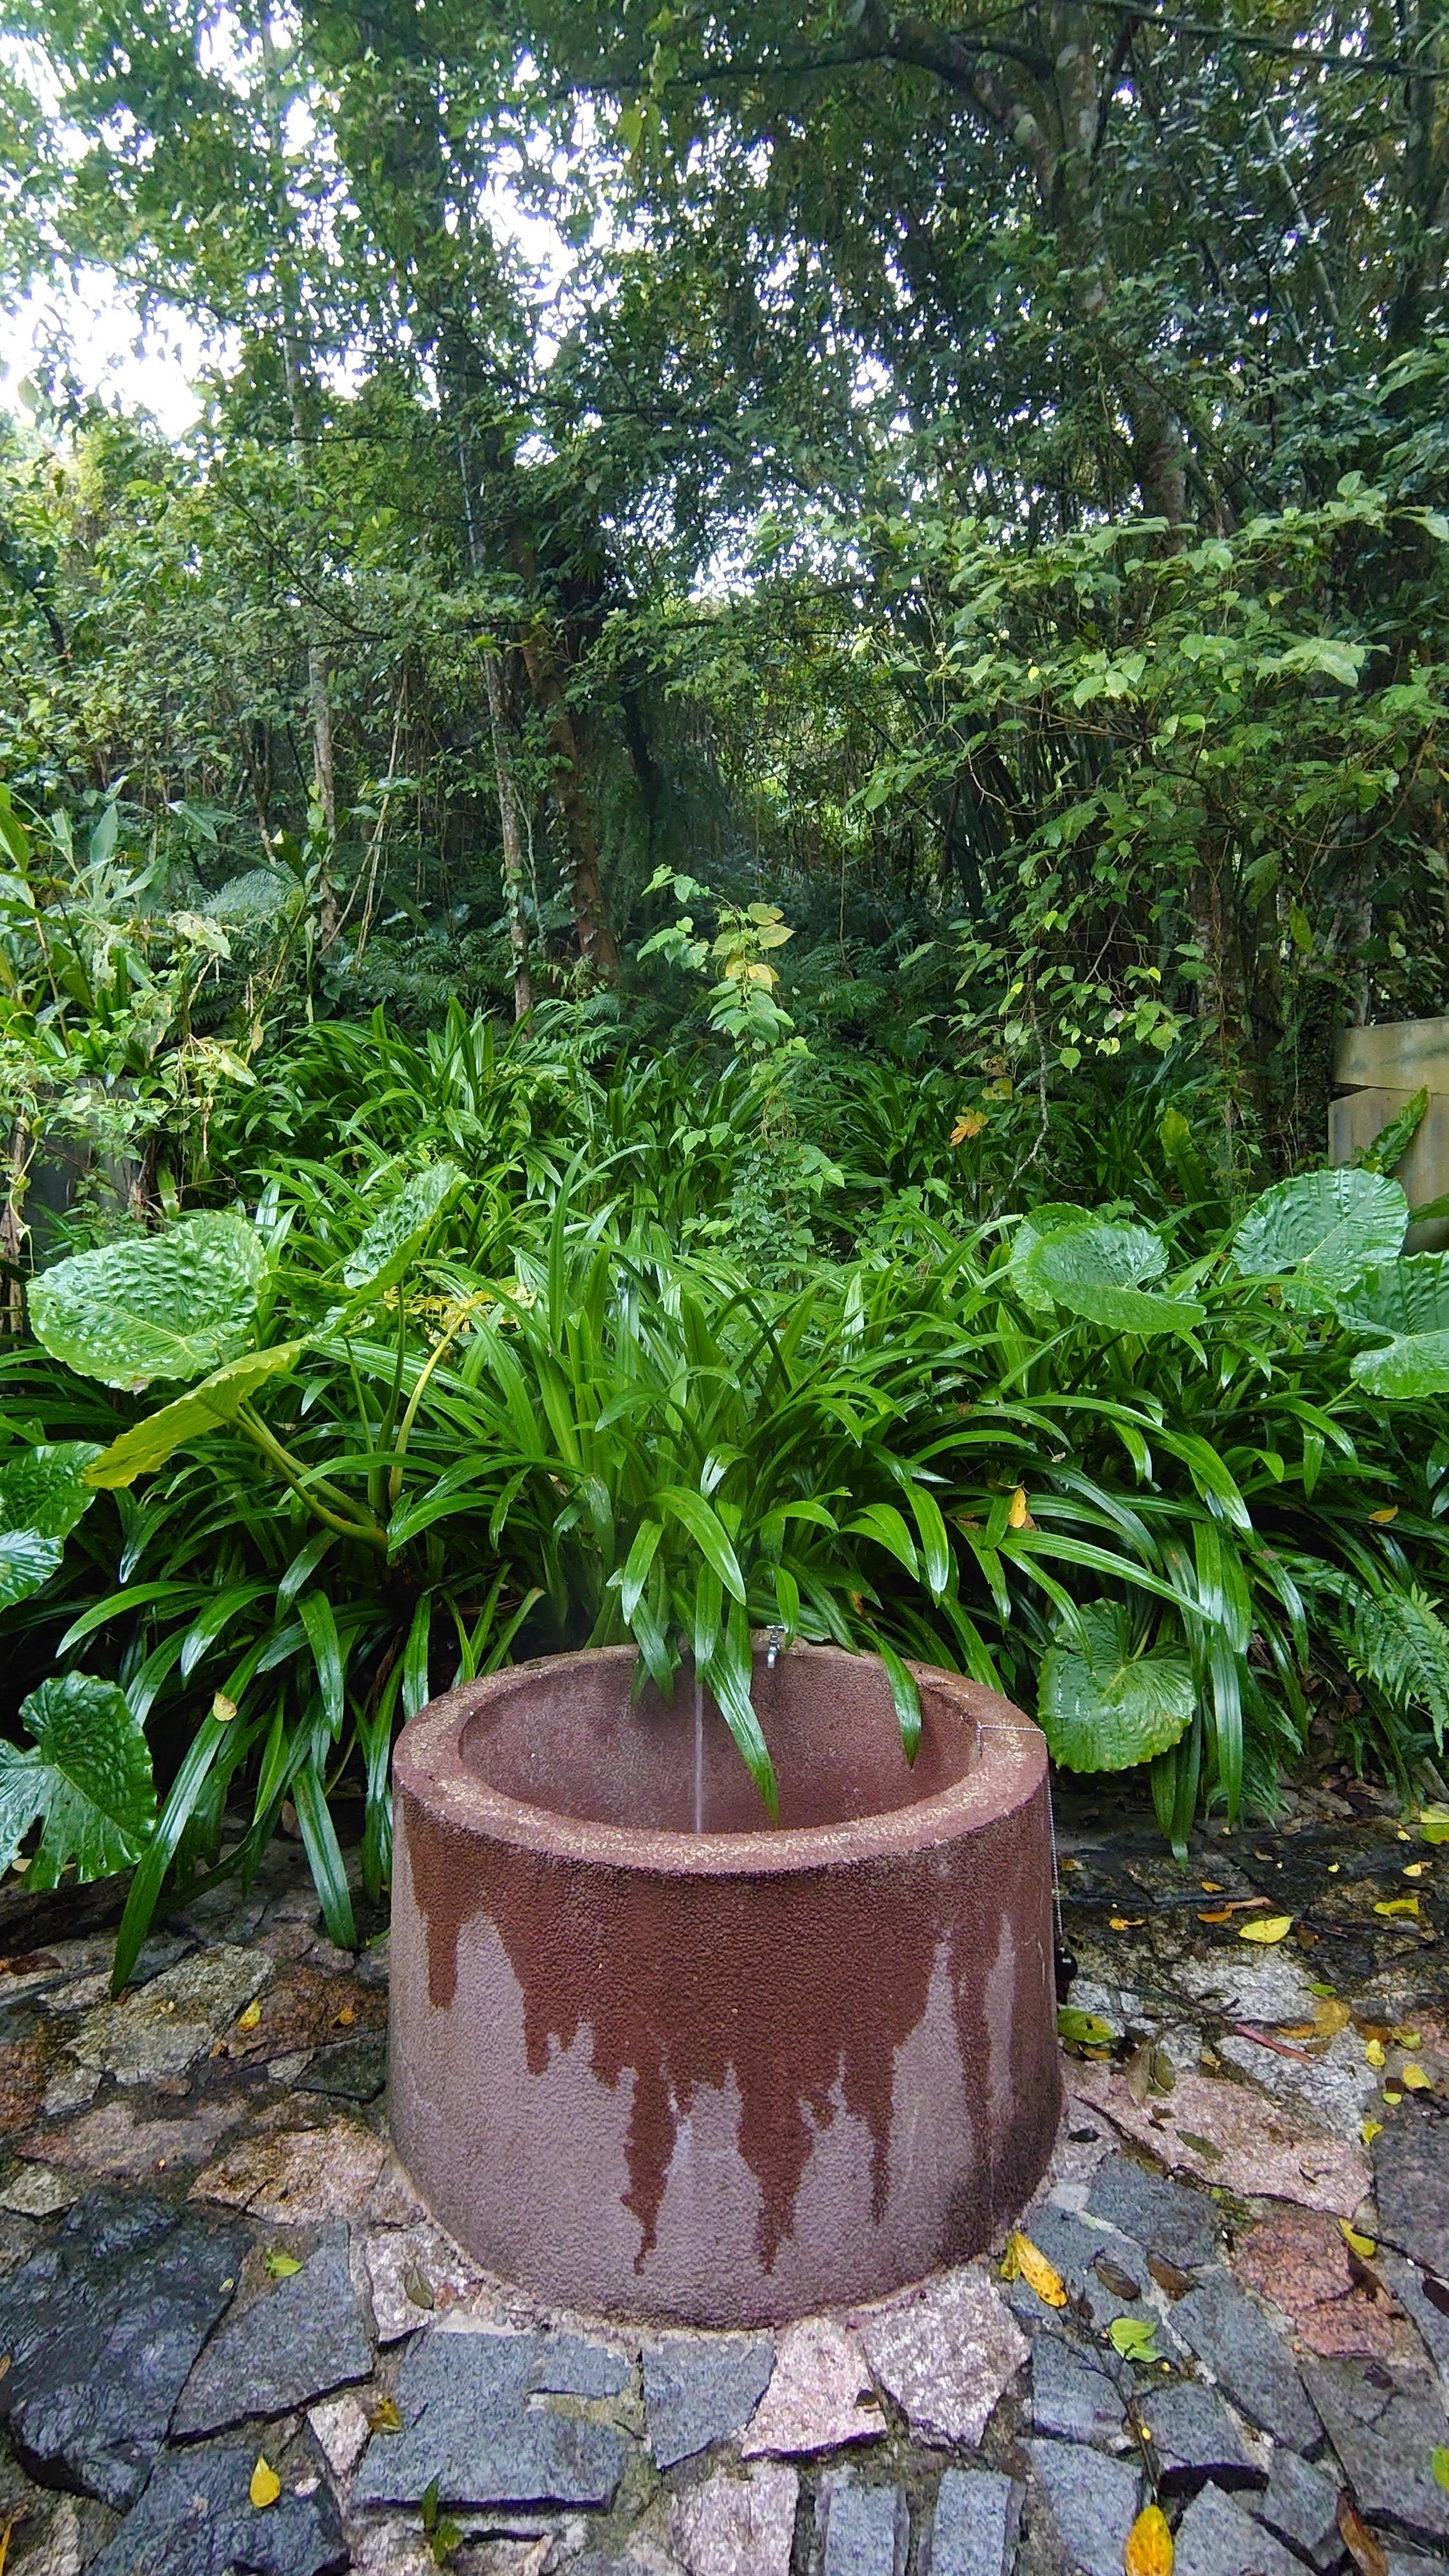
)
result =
(498, 726)
(319, 669)
(592, 926)
(512, 836)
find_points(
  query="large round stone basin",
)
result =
(654, 2056)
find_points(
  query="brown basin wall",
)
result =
(731, 2075)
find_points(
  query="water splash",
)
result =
(698, 1757)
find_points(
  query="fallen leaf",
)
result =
(249, 2019)
(1269, 1927)
(1114, 2278)
(222, 1708)
(417, 2288)
(1397, 1905)
(1434, 1824)
(1374, 2052)
(1404, 2038)
(1149, 2544)
(385, 2417)
(1439, 2463)
(1201, 2146)
(1364, 2245)
(1168, 2276)
(265, 2485)
(1390, 1512)
(1032, 2266)
(1019, 1514)
(1211, 1886)
(1083, 2029)
(969, 1124)
(1133, 2337)
(281, 2266)
(1413, 2078)
(345, 2019)
(1126, 1922)
(11, 2520)
(1364, 2549)
(1217, 1914)
(1369, 2130)
(1414, 1869)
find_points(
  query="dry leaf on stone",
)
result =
(1027, 2262)
(1364, 2548)
(1149, 2544)
(265, 2485)
(1266, 1927)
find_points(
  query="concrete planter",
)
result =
(732, 2074)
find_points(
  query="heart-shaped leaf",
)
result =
(1321, 1232)
(1102, 1705)
(1094, 1271)
(147, 1306)
(88, 1774)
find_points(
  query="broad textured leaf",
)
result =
(382, 1254)
(1094, 1271)
(41, 1488)
(88, 1775)
(1054, 1217)
(148, 1445)
(1409, 1299)
(1105, 1708)
(153, 1305)
(1321, 1232)
(26, 1561)
(1415, 1365)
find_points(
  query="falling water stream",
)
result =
(699, 1757)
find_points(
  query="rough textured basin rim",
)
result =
(429, 1763)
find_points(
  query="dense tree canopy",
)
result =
(973, 478)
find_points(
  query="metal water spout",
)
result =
(774, 1640)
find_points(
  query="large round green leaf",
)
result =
(1321, 1232)
(153, 1305)
(88, 1774)
(1104, 1708)
(382, 1254)
(148, 1445)
(1055, 1216)
(27, 1559)
(1408, 1299)
(1411, 1366)
(1093, 1271)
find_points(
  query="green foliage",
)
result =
(153, 1306)
(1320, 1232)
(42, 1497)
(1108, 1702)
(87, 1776)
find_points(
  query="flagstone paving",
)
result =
(211, 2260)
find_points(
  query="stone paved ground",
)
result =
(209, 2259)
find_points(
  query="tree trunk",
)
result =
(512, 836)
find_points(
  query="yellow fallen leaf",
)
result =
(1413, 2078)
(1405, 2038)
(1214, 1914)
(266, 2486)
(1211, 1886)
(250, 2018)
(1390, 1512)
(1414, 1869)
(1266, 1927)
(345, 2019)
(1397, 1905)
(1371, 2129)
(1018, 1516)
(1363, 2245)
(1036, 2271)
(11, 2520)
(1125, 1922)
(1392, 2096)
(222, 1708)
(1149, 2544)
(1374, 2052)
(969, 1124)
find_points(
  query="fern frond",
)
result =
(1396, 1642)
